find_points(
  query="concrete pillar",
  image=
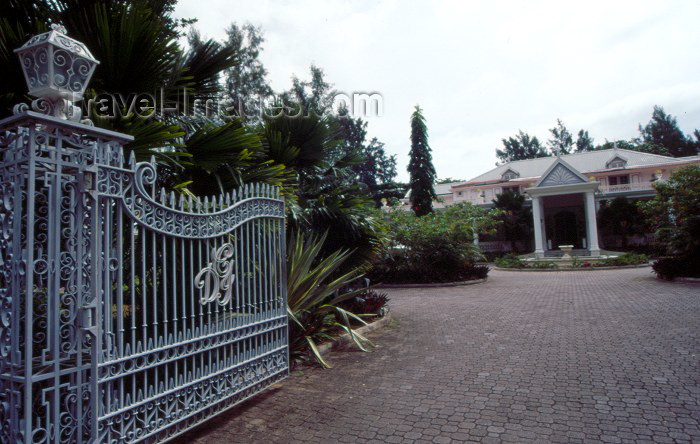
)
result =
(537, 225)
(592, 224)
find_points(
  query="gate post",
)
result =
(49, 249)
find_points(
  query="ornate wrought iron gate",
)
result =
(126, 314)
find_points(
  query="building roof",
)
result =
(586, 162)
(442, 189)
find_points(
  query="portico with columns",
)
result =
(564, 210)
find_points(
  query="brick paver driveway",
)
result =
(606, 356)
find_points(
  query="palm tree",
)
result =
(137, 44)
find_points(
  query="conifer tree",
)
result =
(420, 166)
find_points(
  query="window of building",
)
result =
(514, 190)
(617, 164)
(510, 175)
(459, 193)
(618, 180)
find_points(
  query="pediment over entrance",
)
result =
(560, 173)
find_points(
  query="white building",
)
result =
(565, 192)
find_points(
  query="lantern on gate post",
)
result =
(57, 70)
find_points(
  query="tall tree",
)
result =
(314, 95)
(584, 142)
(246, 81)
(520, 147)
(420, 166)
(562, 140)
(377, 169)
(663, 130)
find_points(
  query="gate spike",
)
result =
(228, 200)
(206, 204)
(172, 199)
(132, 159)
(153, 159)
(120, 155)
(162, 196)
(181, 202)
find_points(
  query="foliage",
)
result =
(510, 260)
(635, 145)
(620, 217)
(520, 147)
(420, 166)
(315, 288)
(669, 268)
(584, 142)
(674, 213)
(663, 130)
(377, 170)
(623, 260)
(246, 81)
(437, 247)
(314, 96)
(562, 140)
(367, 303)
(126, 37)
(516, 219)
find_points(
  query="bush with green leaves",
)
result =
(623, 260)
(368, 303)
(316, 288)
(510, 260)
(674, 213)
(437, 247)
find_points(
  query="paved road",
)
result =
(606, 356)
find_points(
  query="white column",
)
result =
(592, 224)
(537, 224)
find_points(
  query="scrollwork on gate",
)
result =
(179, 219)
(216, 279)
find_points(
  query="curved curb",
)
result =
(345, 337)
(682, 280)
(432, 285)
(620, 267)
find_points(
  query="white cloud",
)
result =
(483, 70)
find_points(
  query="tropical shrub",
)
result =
(622, 218)
(674, 213)
(669, 268)
(368, 303)
(315, 290)
(437, 247)
(511, 260)
(625, 259)
(515, 217)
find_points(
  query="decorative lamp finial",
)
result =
(57, 70)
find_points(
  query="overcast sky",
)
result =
(483, 70)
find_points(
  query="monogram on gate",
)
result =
(217, 277)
